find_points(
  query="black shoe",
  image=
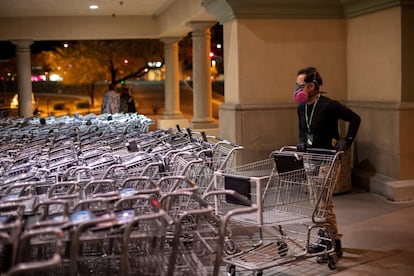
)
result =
(321, 244)
(323, 259)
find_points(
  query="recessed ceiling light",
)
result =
(93, 7)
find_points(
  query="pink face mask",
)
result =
(301, 96)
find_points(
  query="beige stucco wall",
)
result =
(377, 146)
(260, 129)
(375, 77)
(374, 56)
(269, 52)
(361, 62)
(264, 56)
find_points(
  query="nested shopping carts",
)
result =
(292, 191)
(143, 232)
(102, 194)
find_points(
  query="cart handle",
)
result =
(312, 150)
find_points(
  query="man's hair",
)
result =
(312, 75)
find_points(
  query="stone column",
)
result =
(24, 74)
(172, 115)
(202, 98)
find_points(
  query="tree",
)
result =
(87, 62)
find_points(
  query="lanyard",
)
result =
(309, 120)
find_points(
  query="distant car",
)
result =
(14, 104)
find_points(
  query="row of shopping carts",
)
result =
(142, 234)
(102, 194)
(107, 146)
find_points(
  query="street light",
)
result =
(213, 56)
(154, 64)
(216, 64)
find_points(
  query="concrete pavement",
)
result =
(378, 235)
(378, 239)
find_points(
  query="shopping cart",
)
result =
(39, 252)
(11, 225)
(192, 217)
(217, 157)
(143, 249)
(291, 190)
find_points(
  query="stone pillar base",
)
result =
(172, 123)
(204, 125)
(215, 132)
(391, 189)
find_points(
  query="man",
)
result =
(318, 128)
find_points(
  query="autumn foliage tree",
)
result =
(88, 62)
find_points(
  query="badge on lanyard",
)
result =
(309, 139)
(309, 136)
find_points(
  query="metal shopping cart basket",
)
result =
(292, 191)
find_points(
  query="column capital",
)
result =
(22, 44)
(170, 39)
(200, 26)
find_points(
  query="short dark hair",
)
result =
(311, 75)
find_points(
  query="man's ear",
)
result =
(312, 86)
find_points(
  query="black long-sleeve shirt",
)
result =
(324, 123)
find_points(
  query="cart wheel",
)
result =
(231, 270)
(230, 247)
(282, 248)
(332, 262)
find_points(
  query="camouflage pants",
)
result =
(327, 202)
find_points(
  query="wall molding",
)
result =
(227, 10)
(393, 106)
(353, 8)
(254, 107)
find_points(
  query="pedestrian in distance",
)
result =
(110, 101)
(127, 103)
(318, 118)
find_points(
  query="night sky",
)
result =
(7, 48)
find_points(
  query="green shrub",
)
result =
(59, 106)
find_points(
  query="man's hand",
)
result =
(342, 145)
(301, 147)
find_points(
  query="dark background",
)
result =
(7, 49)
